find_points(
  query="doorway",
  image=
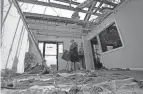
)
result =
(96, 53)
(51, 52)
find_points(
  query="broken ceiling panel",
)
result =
(92, 17)
(61, 11)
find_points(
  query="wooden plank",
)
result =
(63, 27)
(58, 6)
(76, 3)
(67, 1)
(107, 2)
(90, 9)
(98, 7)
(56, 34)
(72, 2)
(54, 31)
(54, 28)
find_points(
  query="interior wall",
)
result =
(61, 63)
(14, 39)
(129, 20)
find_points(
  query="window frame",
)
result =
(120, 35)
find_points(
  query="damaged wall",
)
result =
(129, 20)
(32, 49)
(66, 42)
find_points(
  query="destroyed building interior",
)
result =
(71, 46)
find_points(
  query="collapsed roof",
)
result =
(74, 15)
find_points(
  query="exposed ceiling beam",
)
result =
(107, 2)
(67, 1)
(72, 2)
(84, 4)
(98, 8)
(58, 6)
(63, 27)
(76, 3)
(56, 34)
(54, 18)
(54, 28)
(90, 9)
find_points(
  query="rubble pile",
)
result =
(79, 82)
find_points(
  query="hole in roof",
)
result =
(98, 3)
(115, 1)
(92, 17)
(26, 7)
(99, 12)
(85, 9)
(79, 1)
(82, 15)
(74, 5)
(58, 2)
(39, 9)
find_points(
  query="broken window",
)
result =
(110, 38)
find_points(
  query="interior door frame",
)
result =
(51, 42)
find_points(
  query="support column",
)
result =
(88, 54)
(1, 19)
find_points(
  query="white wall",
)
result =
(14, 40)
(129, 20)
(66, 41)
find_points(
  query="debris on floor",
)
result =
(78, 82)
